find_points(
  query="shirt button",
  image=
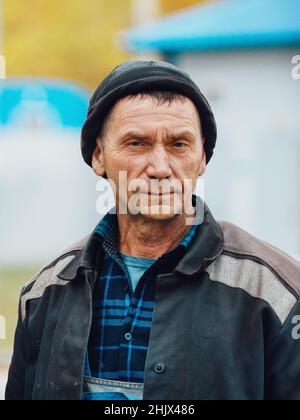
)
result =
(128, 336)
(159, 367)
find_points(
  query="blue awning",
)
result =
(57, 102)
(220, 25)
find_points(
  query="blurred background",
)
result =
(242, 53)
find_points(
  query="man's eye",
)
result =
(179, 144)
(134, 143)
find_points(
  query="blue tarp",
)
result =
(220, 25)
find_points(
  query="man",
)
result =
(161, 302)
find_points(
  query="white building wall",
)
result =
(48, 195)
(254, 177)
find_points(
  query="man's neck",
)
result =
(144, 238)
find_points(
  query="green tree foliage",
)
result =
(169, 6)
(72, 39)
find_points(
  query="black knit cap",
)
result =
(135, 77)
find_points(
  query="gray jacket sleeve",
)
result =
(283, 361)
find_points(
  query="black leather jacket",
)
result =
(225, 324)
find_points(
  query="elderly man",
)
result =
(161, 302)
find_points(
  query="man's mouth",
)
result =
(158, 194)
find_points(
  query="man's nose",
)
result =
(158, 164)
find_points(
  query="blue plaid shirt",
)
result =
(122, 319)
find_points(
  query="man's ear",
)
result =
(203, 159)
(98, 159)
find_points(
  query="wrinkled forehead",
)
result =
(146, 110)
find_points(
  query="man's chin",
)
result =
(157, 213)
(158, 217)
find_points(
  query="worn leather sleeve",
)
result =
(283, 361)
(15, 390)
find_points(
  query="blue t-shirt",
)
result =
(136, 267)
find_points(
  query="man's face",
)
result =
(152, 143)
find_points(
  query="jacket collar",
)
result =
(85, 259)
(207, 246)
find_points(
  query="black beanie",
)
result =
(135, 77)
